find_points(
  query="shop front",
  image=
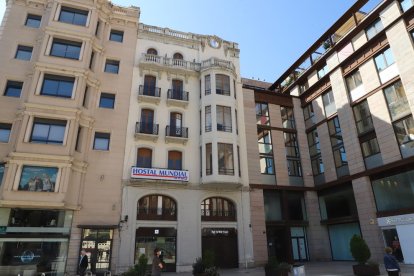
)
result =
(33, 241)
(223, 243)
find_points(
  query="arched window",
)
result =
(152, 51)
(178, 56)
(218, 209)
(144, 158)
(175, 160)
(156, 207)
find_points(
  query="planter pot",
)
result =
(275, 272)
(366, 270)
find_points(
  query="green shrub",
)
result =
(198, 266)
(359, 249)
(138, 269)
(209, 258)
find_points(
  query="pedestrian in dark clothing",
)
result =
(391, 263)
(83, 263)
(156, 263)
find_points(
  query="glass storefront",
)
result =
(34, 241)
(340, 235)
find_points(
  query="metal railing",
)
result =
(174, 131)
(177, 95)
(146, 128)
(218, 215)
(149, 91)
(144, 213)
(224, 128)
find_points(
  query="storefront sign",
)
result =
(396, 220)
(159, 174)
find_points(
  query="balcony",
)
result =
(149, 61)
(177, 98)
(176, 134)
(156, 214)
(146, 131)
(224, 128)
(149, 94)
(220, 63)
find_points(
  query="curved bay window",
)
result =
(218, 209)
(156, 207)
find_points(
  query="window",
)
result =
(13, 89)
(353, 80)
(322, 72)
(38, 179)
(149, 86)
(292, 154)
(144, 158)
(303, 87)
(234, 89)
(363, 118)
(225, 159)
(238, 160)
(370, 147)
(223, 117)
(5, 130)
(57, 86)
(207, 116)
(98, 24)
(101, 141)
(337, 203)
(1, 172)
(152, 51)
(86, 97)
(288, 120)
(24, 52)
(222, 85)
(315, 153)
(209, 159)
(338, 148)
(65, 49)
(48, 131)
(404, 130)
(178, 56)
(237, 122)
(309, 115)
(112, 66)
(33, 21)
(178, 59)
(117, 36)
(374, 28)
(78, 143)
(91, 60)
(265, 151)
(262, 114)
(73, 16)
(207, 82)
(175, 128)
(272, 205)
(329, 103)
(107, 101)
(147, 122)
(156, 207)
(217, 209)
(396, 100)
(384, 60)
(175, 160)
(406, 4)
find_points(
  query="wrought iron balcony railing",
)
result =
(177, 95)
(151, 91)
(146, 128)
(174, 131)
(144, 213)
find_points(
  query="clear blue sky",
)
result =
(271, 34)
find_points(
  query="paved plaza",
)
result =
(311, 269)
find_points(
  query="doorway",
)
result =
(223, 242)
(392, 240)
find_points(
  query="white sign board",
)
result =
(159, 174)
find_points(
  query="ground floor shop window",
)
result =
(340, 236)
(98, 245)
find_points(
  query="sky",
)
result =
(272, 34)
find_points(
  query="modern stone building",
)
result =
(65, 85)
(185, 170)
(335, 136)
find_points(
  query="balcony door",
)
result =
(177, 89)
(144, 158)
(149, 85)
(176, 120)
(147, 121)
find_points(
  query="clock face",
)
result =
(214, 43)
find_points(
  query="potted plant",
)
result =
(361, 253)
(199, 267)
(139, 269)
(205, 267)
(276, 268)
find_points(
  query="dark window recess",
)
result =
(112, 66)
(217, 209)
(107, 100)
(58, 86)
(24, 52)
(65, 49)
(91, 60)
(117, 36)
(101, 141)
(33, 21)
(47, 131)
(13, 89)
(73, 16)
(5, 130)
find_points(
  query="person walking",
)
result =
(391, 263)
(156, 263)
(83, 263)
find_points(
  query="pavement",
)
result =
(311, 269)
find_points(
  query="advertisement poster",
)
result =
(38, 179)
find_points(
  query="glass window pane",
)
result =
(40, 132)
(101, 144)
(57, 133)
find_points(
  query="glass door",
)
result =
(391, 240)
(98, 243)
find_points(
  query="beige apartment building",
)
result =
(331, 142)
(65, 85)
(185, 184)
